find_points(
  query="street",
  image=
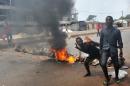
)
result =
(21, 69)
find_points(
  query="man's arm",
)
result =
(77, 46)
(82, 49)
(95, 43)
(120, 43)
(101, 40)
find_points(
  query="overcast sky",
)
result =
(101, 8)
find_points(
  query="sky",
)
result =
(102, 8)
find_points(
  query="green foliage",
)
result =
(127, 16)
(91, 17)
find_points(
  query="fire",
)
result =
(62, 55)
(71, 59)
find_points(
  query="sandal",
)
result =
(106, 83)
(118, 81)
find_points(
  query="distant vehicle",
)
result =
(82, 25)
(72, 26)
(65, 28)
(67, 31)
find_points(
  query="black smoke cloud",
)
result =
(48, 13)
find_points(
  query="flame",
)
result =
(71, 59)
(62, 55)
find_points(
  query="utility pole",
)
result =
(75, 15)
(122, 17)
(10, 2)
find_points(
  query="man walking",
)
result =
(8, 32)
(110, 41)
(98, 27)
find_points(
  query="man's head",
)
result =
(79, 40)
(109, 21)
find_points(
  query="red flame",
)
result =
(62, 55)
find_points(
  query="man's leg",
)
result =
(98, 33)
(103, 63)
(114, 58)
(86, 64)
(8, 39)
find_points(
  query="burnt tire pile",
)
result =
(33, 51)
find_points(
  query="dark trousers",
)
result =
(103, 62)
(98, 33)
(88, 61)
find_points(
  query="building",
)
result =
(10, 11)
(6, 6)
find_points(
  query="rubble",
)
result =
(33, 51)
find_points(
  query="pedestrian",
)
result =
(98, 27)
(88, 47)
(110, 41)
(8, 32)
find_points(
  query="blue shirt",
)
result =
(111, 39)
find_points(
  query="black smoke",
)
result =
(48, 13)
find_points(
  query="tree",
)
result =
(91, 17)
(127, 16)
(122, 17)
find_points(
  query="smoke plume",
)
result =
(48, 13)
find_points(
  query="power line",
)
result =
(101, 12)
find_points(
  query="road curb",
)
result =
(78, 33)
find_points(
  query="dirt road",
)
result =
(20, 69)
